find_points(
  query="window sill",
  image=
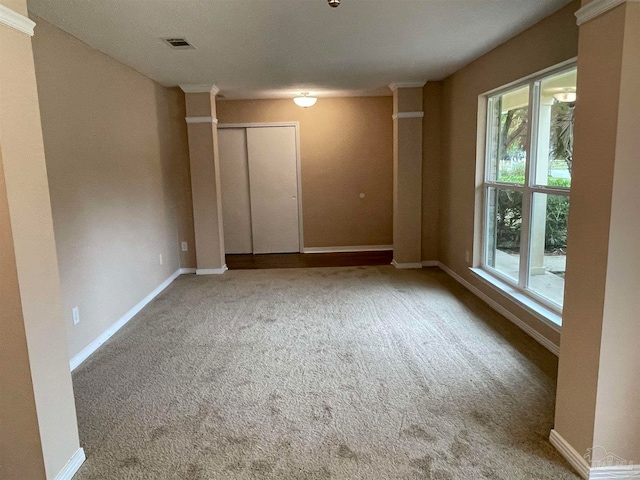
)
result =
(538, 310)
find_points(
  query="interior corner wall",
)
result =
(431, 159)
(346, 149)
(548, 43)
(118, 168)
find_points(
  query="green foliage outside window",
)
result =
(509, 208)
(509, 214)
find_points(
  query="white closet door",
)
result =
(234, 185)
(273, 183)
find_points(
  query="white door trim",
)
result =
(296, 125)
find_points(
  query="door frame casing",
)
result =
(296, 125)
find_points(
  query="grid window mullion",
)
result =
(508, 237)
(525, 240)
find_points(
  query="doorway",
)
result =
(260, 187)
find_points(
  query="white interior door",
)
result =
(234, 185)
(273, 181)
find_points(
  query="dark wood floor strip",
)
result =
(308, 260)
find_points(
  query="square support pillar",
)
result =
(202, 127)
(407, 174)
(38, 427)
(597, 423)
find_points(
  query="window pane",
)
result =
(507, 139)
(549, 217)
(504, 220)
(555, 130)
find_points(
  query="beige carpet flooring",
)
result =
(315, 374)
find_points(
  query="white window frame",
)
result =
(528, 189)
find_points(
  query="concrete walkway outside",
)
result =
(548, 285)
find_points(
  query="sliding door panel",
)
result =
(234, 185)
(274, 189)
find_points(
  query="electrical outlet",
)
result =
(160, 259)
(467, 256)
(76, 315)
(185, 246)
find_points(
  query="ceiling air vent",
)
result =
(178, 43)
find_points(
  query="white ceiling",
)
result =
(275, 48)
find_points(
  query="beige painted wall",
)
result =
(618, 404)
(546, 44)
(19, 6)
(587, 261)
(118, 167)
(599, 378)
(36, 393)
(346, 149)
(431, 159)
(617, 408)
(20, 446)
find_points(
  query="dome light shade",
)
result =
(569, 97)
(305, 101)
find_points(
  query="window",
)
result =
(529, 152)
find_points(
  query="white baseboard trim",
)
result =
(406, 266)
(108, 333)
(184, 271)
(541, 339)
(356, 248)
(72, 466)
(430, 263)
(211, 271)
(622, 472)
(576, 460)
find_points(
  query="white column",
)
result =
(541, 175)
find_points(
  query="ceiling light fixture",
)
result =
(305, 101)
(334, 3)
(568, 96)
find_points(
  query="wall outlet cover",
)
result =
(76, 315)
